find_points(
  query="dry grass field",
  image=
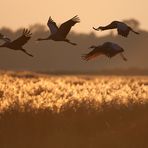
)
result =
(44, 111)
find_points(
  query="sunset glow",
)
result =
(23, 13)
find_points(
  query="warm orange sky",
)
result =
(22, 13)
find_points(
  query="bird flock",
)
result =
(109, 49)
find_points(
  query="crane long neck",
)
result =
(113, 25)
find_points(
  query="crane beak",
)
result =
(96, 28)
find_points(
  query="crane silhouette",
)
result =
(60, 34)
(122, 28)
(19, 42)
(108, 49)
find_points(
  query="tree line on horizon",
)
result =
(68, 58)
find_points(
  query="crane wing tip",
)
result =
(76, 19)
(27, 32)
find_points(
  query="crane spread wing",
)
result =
(116, 47)
(66, 26)
(23, 39)
(91, 55)
(52, 26)
(123, 29)
(4, 38)
(124, 33)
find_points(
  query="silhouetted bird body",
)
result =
(108, 49)
(122, 28)
(60, 34)
(19, 42)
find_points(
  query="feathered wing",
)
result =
(52, 26)
(123, 29)
(124, 33)
(65, 27)
(91, 55)
(22, 40)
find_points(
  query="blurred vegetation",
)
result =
(112, 125)
(41, 111)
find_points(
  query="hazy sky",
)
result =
(22, 13)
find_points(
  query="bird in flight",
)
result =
(60, 33)
(108, 49)
(122, 28)
(19, 42)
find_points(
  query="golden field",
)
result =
(59, 111)
(53, 92)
